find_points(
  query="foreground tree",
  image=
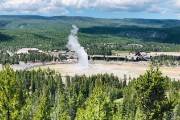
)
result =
(97, 107)
(151, 91)
(43, 112)
(10, 103)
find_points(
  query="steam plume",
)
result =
(74, 45)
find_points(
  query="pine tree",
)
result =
(43, 112)
(10, 104)
(97, 107)
(63, 107)
(151, 91)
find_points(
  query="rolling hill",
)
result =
(49, 33)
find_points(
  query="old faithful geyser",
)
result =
(74, 45)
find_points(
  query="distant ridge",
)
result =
(126, 21)
(80, 17)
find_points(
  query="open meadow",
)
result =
(130, 69)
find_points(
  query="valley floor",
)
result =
(130, 69)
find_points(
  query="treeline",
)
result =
(45, 95)
(32, 58)
(165, 60)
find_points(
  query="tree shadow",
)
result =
(3, 23)
(40, 36)
(111, 30)
(145, 34)
(4, 38)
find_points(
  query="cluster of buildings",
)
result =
(139, 56)
(72, 57)
(65, 56)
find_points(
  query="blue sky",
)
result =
(150, 9)
(123, 14)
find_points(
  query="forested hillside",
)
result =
(50, 33)
(45, 95)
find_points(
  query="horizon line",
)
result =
(47, 16)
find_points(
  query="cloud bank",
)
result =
(61, 7)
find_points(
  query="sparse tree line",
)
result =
(46, 95)
(45, 57)
(166, 60)
(32, 58)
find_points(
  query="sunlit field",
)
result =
(130, 69)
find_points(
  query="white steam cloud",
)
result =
(74, 45)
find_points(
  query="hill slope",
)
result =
(51, 32)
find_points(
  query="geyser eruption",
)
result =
(74, 45)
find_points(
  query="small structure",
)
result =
(28, 50)
(141, 56)
(62, 52)
(71, 55)
(10, 53)
(107, 57)
(135, 45)
(66, 56)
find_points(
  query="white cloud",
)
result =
(157, 9)
(75, 3)
(176, 8)
(60, 7)
(133, 5)
(177, 2)
(46, 7)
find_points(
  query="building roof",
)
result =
(62, 52)
(135, 45)
(26, 50)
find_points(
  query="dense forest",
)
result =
(51, 33)
(46, 95)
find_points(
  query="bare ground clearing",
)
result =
(133, 69)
